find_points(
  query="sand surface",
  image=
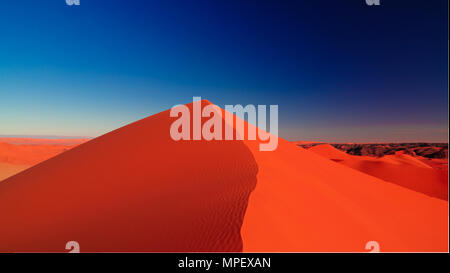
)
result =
(135, 189)
(416, 173)
(18, 154)
(305, 202)
(7, 169)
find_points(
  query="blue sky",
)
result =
(339, 70)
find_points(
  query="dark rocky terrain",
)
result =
(428, 150)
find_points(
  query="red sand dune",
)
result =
(436, 163)
(18, 154)
(7, 169)
(305, 202)
(401, 169)
(35, 141)
(135, 189)
(29, 154)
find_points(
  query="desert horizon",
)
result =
(25, 151)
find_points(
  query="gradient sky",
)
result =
(339, 70)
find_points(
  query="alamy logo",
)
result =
(373, 2)
(73, 2)
(234, 114)
(73, 247)
(373, 246)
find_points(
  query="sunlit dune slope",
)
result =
(305, 202)
(133, 189)
(401, 169)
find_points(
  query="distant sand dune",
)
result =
(402, 169)
(47, 141)
(29, 154)
(305, 202)
(18, 154)
(7, 169)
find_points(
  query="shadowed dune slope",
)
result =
(402, 169)
(133, 189)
